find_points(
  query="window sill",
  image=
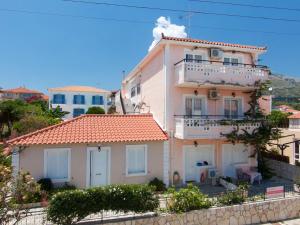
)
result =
(136, 175)
(60, 180)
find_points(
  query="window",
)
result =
(79, 99)
(231, 61)
(193, 58)
(57, 164)
(194, 106)
(136, 160)
(138, 88)
(132, 92)
(232, 108)
(59, 99)
(78, 112)
(296, 152)
(97, 100)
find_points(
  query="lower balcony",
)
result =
(209, 127)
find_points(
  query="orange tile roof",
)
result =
(78, 89)
(96, 129)
(21, 90)
(295, 116)
(213, 43)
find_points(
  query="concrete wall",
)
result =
(32, 160)
(252, 213)
(284, 170)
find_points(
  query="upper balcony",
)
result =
(191, 73)
(210, 127)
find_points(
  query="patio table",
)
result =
(254, 176)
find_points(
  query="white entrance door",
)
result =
(232, 156)
(193, 155)
(99, 166)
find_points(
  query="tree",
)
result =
(259, 137)
(278, 118)
(95, 110)
(14, 193)
(112, 110)
(10, 112)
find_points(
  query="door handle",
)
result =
(98, 173)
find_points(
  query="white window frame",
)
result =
(69, 164)
(202, 52)
(203, 99)
(240, 58)
(146, 160)
(241, 113)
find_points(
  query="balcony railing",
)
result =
(194, 72)
(211, 127)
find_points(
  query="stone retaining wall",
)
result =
(251, 213)
(284, 170)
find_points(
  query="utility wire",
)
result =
(245, 5)
(135, 21)
(181, 10)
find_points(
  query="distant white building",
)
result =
(78, 99)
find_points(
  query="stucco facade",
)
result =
(32, 159)
(167, 77)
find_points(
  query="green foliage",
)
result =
(69, 207)
(95, 110)
(46, 184)
(278, 119)
(187, 199)
(276, 156)
(233, 197)
(14, 193)
(20, 117)
(158, 184)
(4, 159)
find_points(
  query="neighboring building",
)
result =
(78, 99)
(94, 150)
(192, 87)
(22, 93)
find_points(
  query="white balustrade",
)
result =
(204, 72)
(191, 128)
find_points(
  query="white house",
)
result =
(78, 99)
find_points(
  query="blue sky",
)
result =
(41, 51)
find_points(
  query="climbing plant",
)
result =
(260, 136)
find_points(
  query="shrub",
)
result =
(68, 207)
(276, 156)
(187, 199)
(233, 197)
(158, 184)
(46, 184)
(95, 110)
(71, 206)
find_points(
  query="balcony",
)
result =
(191, 73)
(210, 127)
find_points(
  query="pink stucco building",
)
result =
(193, 88)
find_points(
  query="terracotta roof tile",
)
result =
(213, 43)
(96, 129)
(79, 89)
(21, 90)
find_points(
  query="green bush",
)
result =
(95, 110)
(158, 184)
(46, 184)
(71, 206)
(233, 197)
(68, 207)
(187, 199)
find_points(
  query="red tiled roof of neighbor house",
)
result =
(78, 89)
(295, 116)
(21, 90)
(96, 129)
(213, 43)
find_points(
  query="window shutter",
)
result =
(188, 106)
(101, 102)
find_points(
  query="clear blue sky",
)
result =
(41, 51)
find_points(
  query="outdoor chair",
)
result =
(241, 176)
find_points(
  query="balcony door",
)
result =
(232, 108)
(194, 106)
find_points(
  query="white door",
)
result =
(99, 167)
(232, 156)
(193, 155)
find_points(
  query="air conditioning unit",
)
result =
(212, 173)
(216, 53)
(213, 94)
